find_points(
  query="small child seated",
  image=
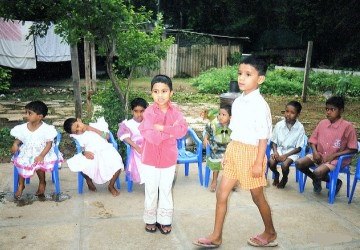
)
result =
(217, 136)
(286, 142)
(129, 132)
(34, 141)
(99, 161)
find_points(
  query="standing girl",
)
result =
(129, 132)
(34, 140)
(163, 123)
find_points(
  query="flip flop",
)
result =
(162, 228)
(150, 228)
(206, 243)
(261, 242)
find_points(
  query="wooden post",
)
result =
(76, 80)
(93, 66)
(307, 70)
(87, 77)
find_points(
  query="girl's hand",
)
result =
(257, 170)
(39, 159)
(14, 148)
(276, 156)
(88, 155)
(138, 149)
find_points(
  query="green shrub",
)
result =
(111, 107)
(215, 81)
(5, 77)
(282, 82)
(6, 142)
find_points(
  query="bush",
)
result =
(5, 145)
(282, 82)
(5, 77)
(111, 107)
(215, 81)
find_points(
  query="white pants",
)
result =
(158, 194)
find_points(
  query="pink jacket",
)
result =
(159, 148)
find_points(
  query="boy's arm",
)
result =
(336, 155)
(178, 129)
(258, 164)
(132, 144)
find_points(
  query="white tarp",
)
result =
(18, 52)
(15, 50)
(51, 48)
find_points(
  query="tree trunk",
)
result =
(127, 92)
(109, 63)
(89, 91)
(76, 80)
(93, 66)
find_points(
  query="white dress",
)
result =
(106, 158)
(33, 143)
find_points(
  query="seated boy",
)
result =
(331, 138)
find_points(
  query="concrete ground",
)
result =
(98, 220)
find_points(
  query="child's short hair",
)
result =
(68, 124)
(163, 79)
(296, 105)
(336, 101)
(227, 107)
(138, 102)
(38, 107)
(258, 63)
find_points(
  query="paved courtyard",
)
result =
(98, 220)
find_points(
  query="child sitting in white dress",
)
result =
(129, 132)
(34, 141)
(99, 161)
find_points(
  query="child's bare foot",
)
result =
(91, 185)
(213, 186)
(19, 191)
(276, 182)
(41, 189)
(113, 190)
(282, 183)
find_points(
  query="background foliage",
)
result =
(5, 77)
(281, 82)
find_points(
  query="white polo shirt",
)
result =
(250, 119)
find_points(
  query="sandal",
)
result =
(162, 228)
(150, 228)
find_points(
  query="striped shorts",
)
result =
(239, 160)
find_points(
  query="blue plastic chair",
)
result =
(127, 176)
(356, 179)
(302, 154)
(333, 176)
(54, 174)
(186, 157)
(79, 150)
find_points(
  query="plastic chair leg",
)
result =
(186, 169)
(27, 181)
(16, 180)
(118, 183)
(129, 182)
(80, 183)
(347, 184)
(56, 180)
(200, 173)
(353, 189)
(207, 176)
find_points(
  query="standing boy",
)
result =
(245, 159)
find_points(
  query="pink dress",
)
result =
(33, 143)
(107, 159)
(130, 129)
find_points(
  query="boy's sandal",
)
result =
(150, 228)
(162, 228)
